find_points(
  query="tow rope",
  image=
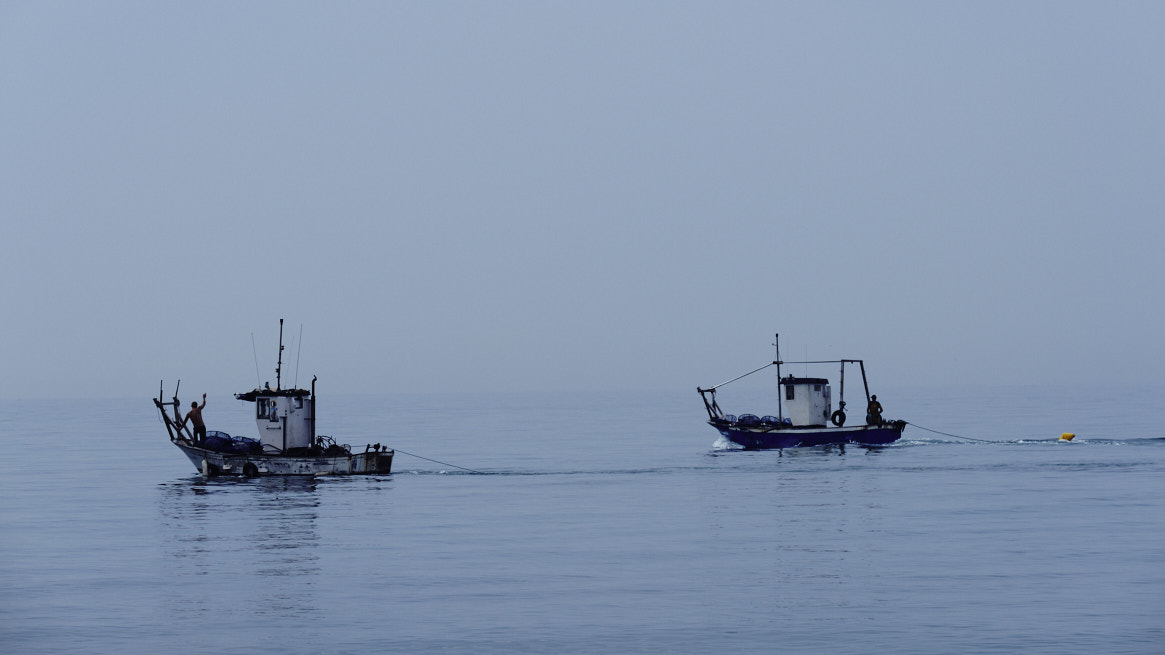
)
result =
(437, 461)
(948, 434)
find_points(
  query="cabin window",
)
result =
(788, 392)
(299, 402)
(817, 387)
(266, 408)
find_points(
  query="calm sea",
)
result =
(601, 523)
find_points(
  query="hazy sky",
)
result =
(578, 195)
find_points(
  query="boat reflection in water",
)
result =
(241, 552)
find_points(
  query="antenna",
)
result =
(298, 350)
(279, 365)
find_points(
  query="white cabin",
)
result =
(806, 400)
(284, 417)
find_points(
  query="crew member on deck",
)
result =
(195, 417)
(874, 411)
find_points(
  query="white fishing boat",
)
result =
(287, 443)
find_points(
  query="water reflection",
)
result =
(250, 545)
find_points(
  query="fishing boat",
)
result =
(287, 442)
(805, 416)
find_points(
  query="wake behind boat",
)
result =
(805, 416)
(287, 443)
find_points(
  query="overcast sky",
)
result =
(451, 196)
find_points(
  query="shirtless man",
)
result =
(195, 416)
(874, 412)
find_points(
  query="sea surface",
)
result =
(594, 523)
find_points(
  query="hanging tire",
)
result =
(838, 418)
(250, 470)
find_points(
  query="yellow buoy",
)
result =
(1067, 436)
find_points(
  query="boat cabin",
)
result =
(806, 400)
(285, 417)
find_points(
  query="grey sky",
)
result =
(550, 195)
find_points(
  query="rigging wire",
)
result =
(741, 376)
(298, 350)
(948, 434)
(258, 380)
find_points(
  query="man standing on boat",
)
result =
(195, 416)
(874, 411)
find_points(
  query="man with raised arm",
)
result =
(195, 417)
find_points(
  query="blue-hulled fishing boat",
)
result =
(805, 415)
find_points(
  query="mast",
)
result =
(279, 366)
(842, 397)
(777, 361)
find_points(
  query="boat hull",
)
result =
(765, 437)
(212, 463)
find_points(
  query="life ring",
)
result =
(838, 418)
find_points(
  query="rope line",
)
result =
(948, 434)
(437, 461)
(740, 376)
